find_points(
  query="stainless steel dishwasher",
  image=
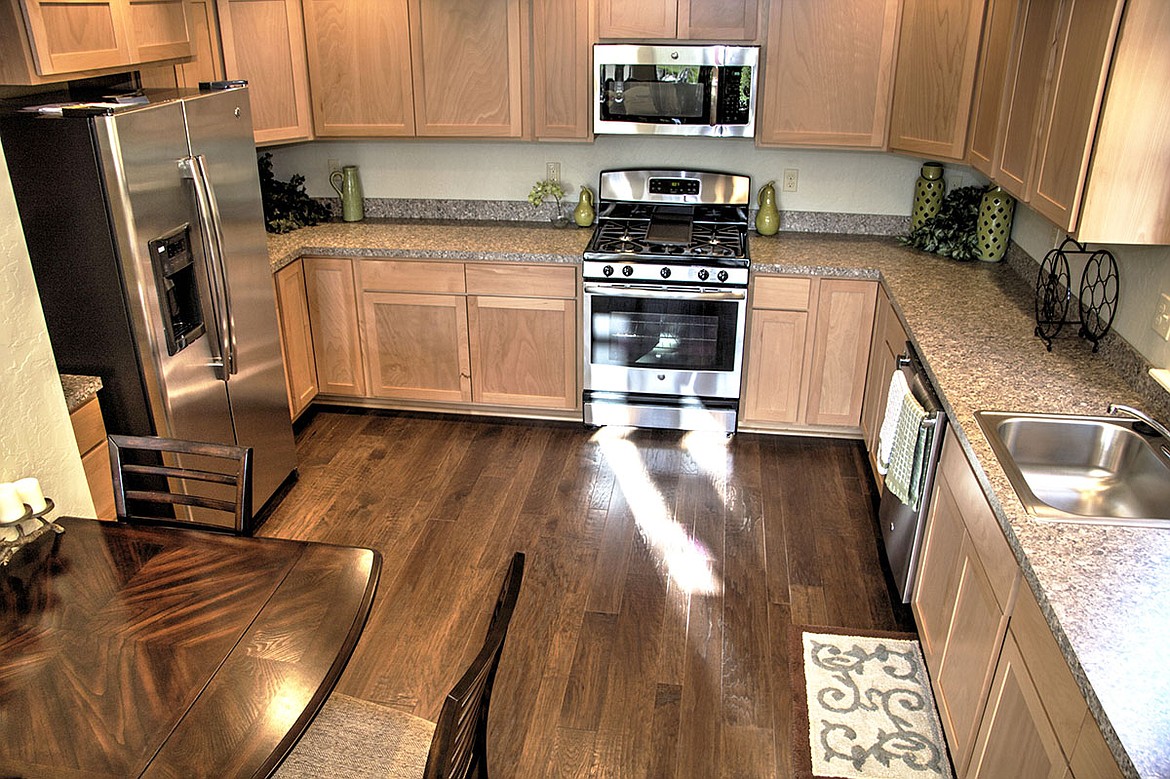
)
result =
(902, 525)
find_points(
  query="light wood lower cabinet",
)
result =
(808, 350)
(889, 340)
(524, 351)
(90, 431)
(417, 346)
(296, 337)
(333, 313)
(960, 603)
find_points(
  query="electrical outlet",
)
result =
(552, 172)
(1161, 323)
(791, 176)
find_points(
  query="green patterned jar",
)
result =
(928, 193)
(995, 224)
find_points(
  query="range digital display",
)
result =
(664, 186)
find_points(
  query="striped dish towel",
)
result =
(899, 389)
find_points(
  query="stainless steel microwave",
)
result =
(675, 90)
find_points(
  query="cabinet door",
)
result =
(359, 67)
(1015, 739)
(637, 18)
(70, 36)
(935, 76)
(206, 45)
(828, 71)
(998, 25)
(296, 337)
(937, 583)
(264, 43)
(417, 346)
(718, 20)
(840, 351)
(560, 68)
(889, 340)
(467, 61)
(159, 30)
(1032, 52)
(523, 351)
(1085, 42)
(334, 317)
(775, 366)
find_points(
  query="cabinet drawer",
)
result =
(781, 292)
(410, 276)
(1063, 702)
(538, 281)
(994, 553)
(88, 427)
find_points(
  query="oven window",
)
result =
(657, 333)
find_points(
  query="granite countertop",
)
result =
(1104, 590)
(79, 390)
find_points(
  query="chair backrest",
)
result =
(459, 747)
(160, 472)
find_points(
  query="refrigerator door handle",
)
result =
(195, 168)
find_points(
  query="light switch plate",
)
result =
(1161, 323)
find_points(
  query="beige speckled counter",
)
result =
(79, 390)
(1104, 590)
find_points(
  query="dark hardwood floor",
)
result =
(664, 573)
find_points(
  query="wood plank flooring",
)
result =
(664, 572)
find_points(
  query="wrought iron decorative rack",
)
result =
(1097, 302)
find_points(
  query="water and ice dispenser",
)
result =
(178, 288)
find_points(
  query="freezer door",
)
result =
(148, 199)
(219, 125)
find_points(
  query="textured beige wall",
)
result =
(36, 438)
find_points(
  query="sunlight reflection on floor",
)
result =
(685, 560)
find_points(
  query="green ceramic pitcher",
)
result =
(347, 185)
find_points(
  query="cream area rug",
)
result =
(864, 708)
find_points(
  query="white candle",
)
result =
(30, 492)
(11, 506)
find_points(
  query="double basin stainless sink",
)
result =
(1100, 470)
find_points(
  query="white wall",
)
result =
(36, 437)
(832, 181)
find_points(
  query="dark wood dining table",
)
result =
(153, 652)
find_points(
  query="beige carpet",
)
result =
(864, 708)
(356, 739)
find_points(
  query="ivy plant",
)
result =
(287, 206)
(952, 232)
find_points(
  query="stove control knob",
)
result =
(607, 271)
(664, 273)
(704, 274)
(627, 270)
(722, 276)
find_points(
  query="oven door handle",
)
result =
(666, 293)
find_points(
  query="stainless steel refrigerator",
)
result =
(146, 232)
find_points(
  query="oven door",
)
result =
(660, 340)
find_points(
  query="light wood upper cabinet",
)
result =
(637, 18)
(359, 66)
(329, 284)
(840, 352)
(296, 337)
(264, 43)
(159, 30)
(934, 77)
(468, 66)
(715, 20)
(206, 64)
(998, 27)
(827, 73)
(561, 78)
(71, 36)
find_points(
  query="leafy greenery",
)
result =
(287, 206)
(952, 232)
(543, 189)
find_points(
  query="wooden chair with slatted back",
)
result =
(459, 748)
(222, 484)
(359, 739)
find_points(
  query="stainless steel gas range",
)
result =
(666, 277)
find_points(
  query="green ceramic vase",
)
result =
(928, 193)
(995, 224)
(768, 217)
(583, 213)
(345, 182)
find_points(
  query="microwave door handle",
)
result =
(193, 168)
(714, 97)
